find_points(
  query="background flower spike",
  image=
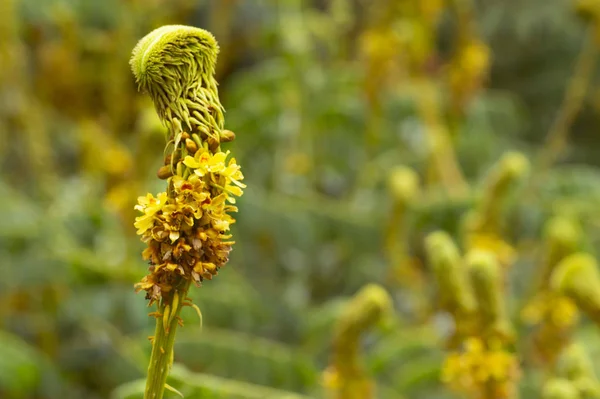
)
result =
(504, 176)
(577, 277)
(563, 237)
(454, 289)
(346, 377)
(403, 184)
(486, 279)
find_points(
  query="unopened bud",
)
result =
(577, 277)
(191, 146)
(450, 274)
(227, 135)
(486, 280)
(365, 309)
(511, 169)
(588, 10)
(575, 364)
(164, 172)
(563, 237)
(560, 388)
(403, 184)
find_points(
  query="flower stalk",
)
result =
(480, 364)
(553, 314)
(186, 228)
(163, 342)
(346, 377)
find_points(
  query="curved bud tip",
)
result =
(560, 388)
(440, 247)
(369, 306)
(563, 230)
(589, 387)
(376, 295)
(514, 165)
(403, 184)
(169, 46)
(574, 363)
(588, 10)
(483, 266)
(576, 275)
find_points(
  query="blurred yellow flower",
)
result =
(472, 370)
(551, 307)
(504, 252)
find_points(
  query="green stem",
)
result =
(573, 101)
(161, 358)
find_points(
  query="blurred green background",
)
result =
(326, 99)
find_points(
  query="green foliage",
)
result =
(206, 386)
(325, 99)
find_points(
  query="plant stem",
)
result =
(572, 102)
(443, 162)
(161, 358)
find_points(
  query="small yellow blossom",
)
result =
(552, 308)
(226, 176)
(331, 378)
(472, 370)
(504, 252)
(149, 206)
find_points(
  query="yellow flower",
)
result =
(564, 312)
(331, 378)
(204, 162)
(191, 193)
(499, 364)
(505, 253)
(150, 206)
(469, 371)
(233, 174)
(227, 177)
(553, 308)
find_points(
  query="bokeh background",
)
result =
(329, 100)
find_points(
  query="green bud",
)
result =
(504, 176)
(486, 279)
(453, 285)
(574, 364)
(563, 237)
(577, 277)
(370, 305)
(403, 184)
(560, 388)
(174, 64)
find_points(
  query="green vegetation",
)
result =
(421, 218)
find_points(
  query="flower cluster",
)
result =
(187, 234)
(481, 371)
(553, 308)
